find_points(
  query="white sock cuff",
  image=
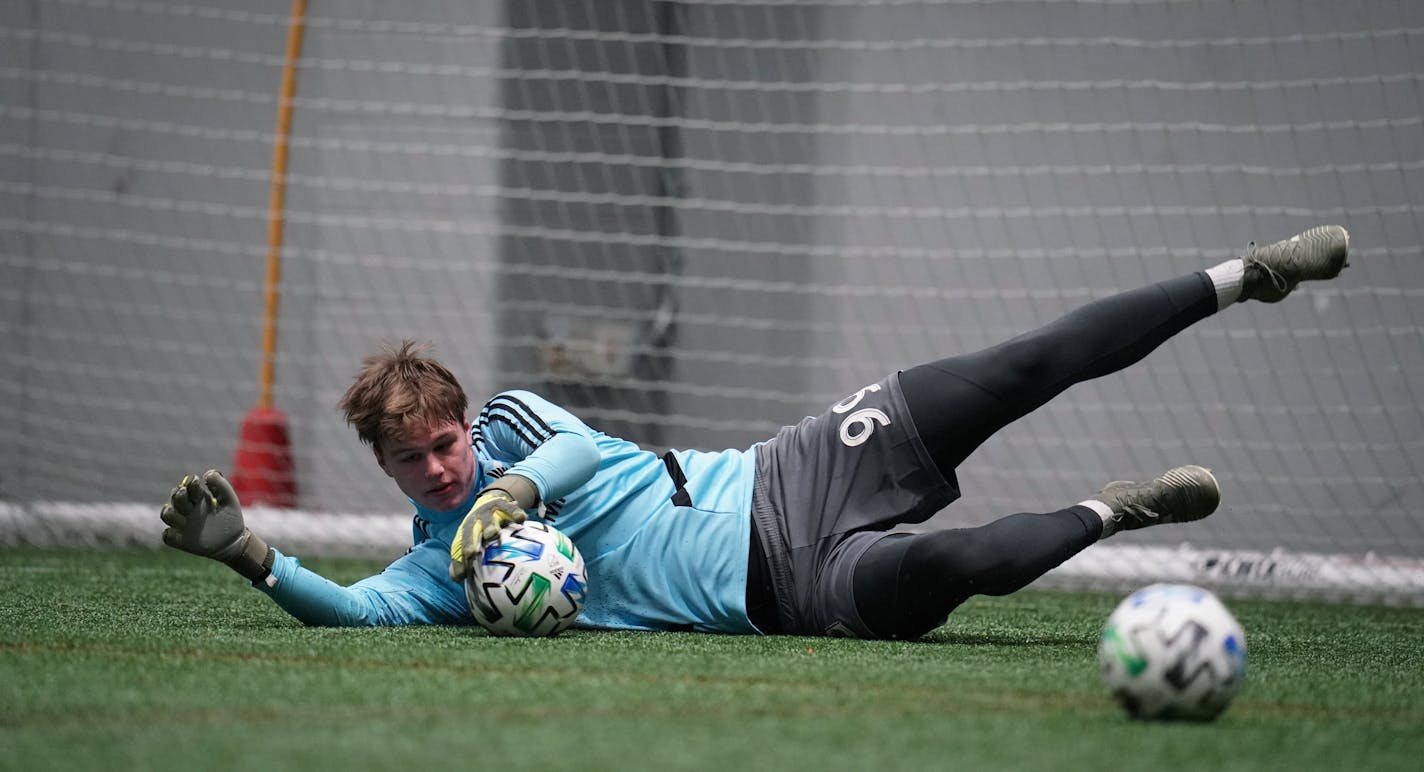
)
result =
(1103, 510)
(1228, 279)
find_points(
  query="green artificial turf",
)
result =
(158, 660)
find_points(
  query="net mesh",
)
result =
(692, 223)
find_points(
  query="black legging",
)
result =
(907, 585)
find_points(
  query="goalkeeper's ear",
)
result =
(220, 489)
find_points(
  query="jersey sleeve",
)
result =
(540, 441)
(414, 590)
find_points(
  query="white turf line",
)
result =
(1283, 574)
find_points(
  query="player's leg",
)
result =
(959, 402)
(827, 488)
(905, 585)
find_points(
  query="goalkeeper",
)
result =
(792, 535)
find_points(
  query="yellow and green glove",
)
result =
(500, 504)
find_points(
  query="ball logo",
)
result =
(529, 583)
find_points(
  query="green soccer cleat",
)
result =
(1178, 495)
(1273, 271)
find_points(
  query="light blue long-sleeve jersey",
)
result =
(659, 555)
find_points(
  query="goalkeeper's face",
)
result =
(432, 463)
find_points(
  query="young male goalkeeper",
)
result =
(789, 536)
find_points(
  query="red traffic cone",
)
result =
(262, 466)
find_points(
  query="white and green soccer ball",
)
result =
(529, 583)
(1173, 651)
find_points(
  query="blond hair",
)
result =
(400, 388)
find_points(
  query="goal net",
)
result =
(694, 222)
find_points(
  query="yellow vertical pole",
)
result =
(276, 203)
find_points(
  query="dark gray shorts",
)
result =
(828, 488)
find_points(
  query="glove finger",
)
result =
(459, 556)
(220, 488)
(172, 538)
(178, 497)
(196, 493)
(457, 545)
(172, 517)
(467, 543)
(503, 513)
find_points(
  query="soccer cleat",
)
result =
(1178, 495)
(1273, 271)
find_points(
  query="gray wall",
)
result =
(820, 194)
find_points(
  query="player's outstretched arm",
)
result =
(204, 518)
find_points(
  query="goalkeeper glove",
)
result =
(497, 506)
(204, 518)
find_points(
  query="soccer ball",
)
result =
(1173, 651)
(529, 583)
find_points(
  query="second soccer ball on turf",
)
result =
(1173, 651)
(529, 583)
